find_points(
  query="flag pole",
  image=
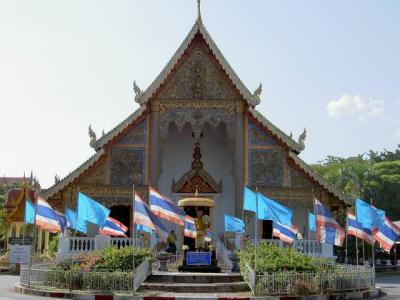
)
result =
(357, 248)
(347, 229)
(309, 231)
(133, 236)
(363, 249)
(256, 235)
(373, 248)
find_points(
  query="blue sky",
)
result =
(330, 66)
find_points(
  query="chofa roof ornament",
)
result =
(256, 94)
(302, 138)
(93, 138)
(138, 93)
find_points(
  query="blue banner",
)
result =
(74, 223)
(91, 211)
(29, 212)
(274, 211)
(249, 199)
(311, 222)
(369, 216)
(233, 224)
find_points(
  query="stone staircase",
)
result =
(194, 283)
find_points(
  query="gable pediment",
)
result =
(198, 77)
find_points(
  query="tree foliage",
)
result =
(372, 176)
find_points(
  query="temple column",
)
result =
(155, 160)
(17, 230)
(239, 157)
(9, 235)
(39, 241)
(46, 242)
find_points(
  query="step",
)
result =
(195, 287)
(195, 277)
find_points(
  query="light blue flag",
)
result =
(29, 212)
(274, 211)
(91, 211)
(249, 199)
(368, 215)
(140, 227)
(311, 222)
(233, 224)
(74, 223)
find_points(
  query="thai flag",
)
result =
(355, 228)
(386, 234)
(285, 233)
(164, 208)
(114, 227)
(144, 216)
(328, 230)
(190, 228)
(46, 217)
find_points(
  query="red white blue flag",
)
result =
(46, 217)
(164, 208)
(144, 216)
(355, 228)
(386, 234)
(190, 228)
(285, 233)
(114, 227)
(328, 229)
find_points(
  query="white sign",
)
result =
(101, 241)
(20, 254)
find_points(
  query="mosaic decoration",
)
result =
(135, 135)
(296, 179)
(125, 163)
(96, 175)
(259, 137)
(198, 78)
(266, 168)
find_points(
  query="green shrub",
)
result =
(110, 259)
(272, 258)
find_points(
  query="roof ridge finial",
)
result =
(199, 10)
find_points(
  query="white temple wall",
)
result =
(177, 151)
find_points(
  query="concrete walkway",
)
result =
(7, 283)
(390, 285)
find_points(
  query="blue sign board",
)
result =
(198, 258)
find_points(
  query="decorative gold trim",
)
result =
(260, 147)
(286, 172)
(129, 146)
(229, 105)
(196, 202)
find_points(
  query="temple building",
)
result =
(197, 131)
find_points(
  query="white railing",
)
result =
(308, 247)
(80, 244)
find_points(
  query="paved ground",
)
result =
(7, 283)
(390, 285)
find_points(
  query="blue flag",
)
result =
(369, 216)
(62, 219)
(249, 199)
(29, 212)
(140, 227)
(274, 211)
(74, 223)
(233, 224)
(91, 211)
(311, 222)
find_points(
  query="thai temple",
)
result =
(197, 134)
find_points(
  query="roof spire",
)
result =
(198, 9)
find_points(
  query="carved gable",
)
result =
(96, 174)
(198, 77)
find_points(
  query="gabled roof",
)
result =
(309, 171)
(198, 27)
(296, 147)
(119, 128)
(73, 175)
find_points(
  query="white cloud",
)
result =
(398, 134)
(355, 105)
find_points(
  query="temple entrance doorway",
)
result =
(267, 230)
(123, 214)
